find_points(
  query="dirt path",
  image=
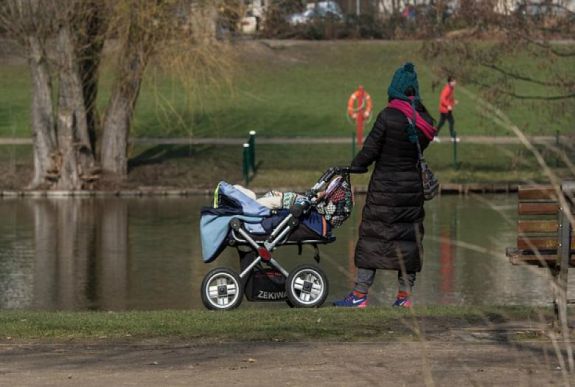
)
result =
(470, 359)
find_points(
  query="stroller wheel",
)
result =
(307, 287)
(222, 289)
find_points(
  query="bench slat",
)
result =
(525, 257)
(539, 243)
(538, 208)
(536, 192)
(546, 260)
(537, 226)
(539, 232)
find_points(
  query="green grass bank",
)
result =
(290, 166)
(265, 324)
(287, 88)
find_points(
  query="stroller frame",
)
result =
(264, 248)
(306, 286)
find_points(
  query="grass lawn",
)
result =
(266, 324)
(293, 89)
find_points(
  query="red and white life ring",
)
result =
(366, 105)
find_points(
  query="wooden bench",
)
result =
(544, 235)
(545, 238)
(538, 228)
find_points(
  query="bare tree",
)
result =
(531, 35)
(65, 42)
(23, 20)
(138, 41)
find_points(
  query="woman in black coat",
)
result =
(391, 230)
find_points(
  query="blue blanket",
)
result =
(247, 205)
(230, 203)
(213, 231)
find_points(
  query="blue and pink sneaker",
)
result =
(402, 302)
(352, 301)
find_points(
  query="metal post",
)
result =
(455, 163)
(246, 164)
(563, 260)
(252, 143)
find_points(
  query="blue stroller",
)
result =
(238, 221)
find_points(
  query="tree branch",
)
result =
(541, 97)
(523, 77)
(525, 97)
(548, 47)
(541, 44)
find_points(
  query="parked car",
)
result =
(317, 11)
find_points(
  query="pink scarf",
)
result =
(405, 107)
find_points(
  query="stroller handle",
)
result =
(329, 174)
(351, 169)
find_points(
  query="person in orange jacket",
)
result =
(447, 102)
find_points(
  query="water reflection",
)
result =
(144, 253)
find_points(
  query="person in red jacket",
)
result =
(447, 102)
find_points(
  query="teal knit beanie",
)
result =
(404, 77)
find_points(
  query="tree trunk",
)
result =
(114, 146)
(91, 44)
(77, 157)
(395, 7)
(440, 10)
(118, 120)
(44, 137)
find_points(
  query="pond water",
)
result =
(145, 253)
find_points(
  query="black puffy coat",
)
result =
(391, 230)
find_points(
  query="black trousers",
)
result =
(449, 117)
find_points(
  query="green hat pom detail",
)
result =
(409, 67)
(404, 78)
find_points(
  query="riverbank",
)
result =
(444, 189)
(182, 169)
(489, 140)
